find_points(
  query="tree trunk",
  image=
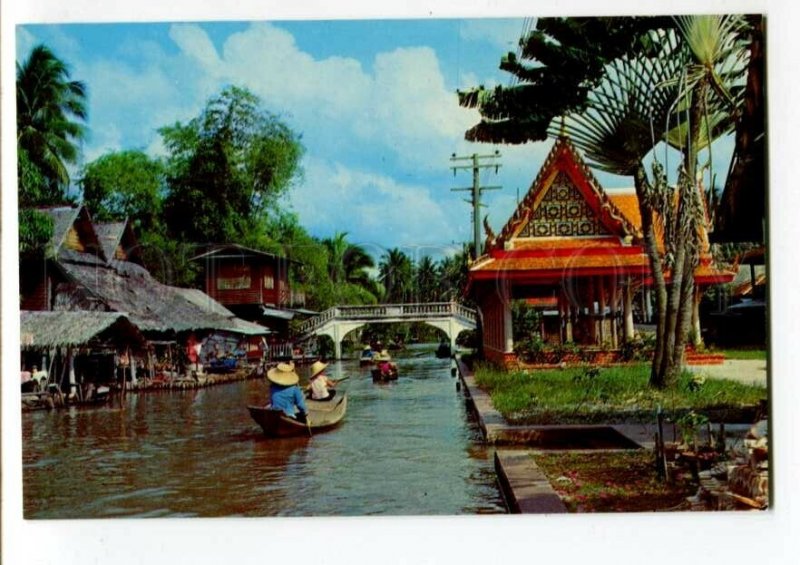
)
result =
(659, 283)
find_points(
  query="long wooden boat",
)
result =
(322, 416)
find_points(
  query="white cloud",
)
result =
(402, 104)
(379, 211)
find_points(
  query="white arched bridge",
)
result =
(450, 317)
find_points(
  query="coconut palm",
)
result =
(396, 272)
(428, 278)
(50, 109)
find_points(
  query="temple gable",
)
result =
(562, 212)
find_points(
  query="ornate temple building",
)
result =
(575, 252)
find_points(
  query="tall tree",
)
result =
(51, 112)
(124, 184)
(428, 281)
(227, 168)
(396, 272)
(615, 124)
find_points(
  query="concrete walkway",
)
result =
(745, 371)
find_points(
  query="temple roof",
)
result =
(568, 225)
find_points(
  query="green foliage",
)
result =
(35, 231)
(124, 184)
(639, 348)
(525, 320)
(397, 276)
(428, 280)
(227, 168)
(615, 394)
(690, 425)
(567, 58)
(50, 112)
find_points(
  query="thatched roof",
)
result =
(66, 217)
(110, 235)
(45, 329)
(122, 286)
(115, 234)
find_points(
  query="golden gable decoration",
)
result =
(563, 212)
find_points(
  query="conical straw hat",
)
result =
(283, 374)
(317, 368)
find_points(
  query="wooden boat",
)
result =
(322, 416)
(379, 377)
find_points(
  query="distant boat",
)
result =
(379, 376)
(323, 415)
(367, 358)
(444, 351)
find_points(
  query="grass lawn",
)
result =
(743, 353)
(611, 482)
(614, 394)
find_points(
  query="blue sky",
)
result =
(374, 101)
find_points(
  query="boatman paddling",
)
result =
(284, 393)
(319, 383)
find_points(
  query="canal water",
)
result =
(405, 448)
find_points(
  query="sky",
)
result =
(375, 103)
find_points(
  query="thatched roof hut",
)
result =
(48, 329)
(123, 286)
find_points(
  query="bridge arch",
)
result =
(450, 317)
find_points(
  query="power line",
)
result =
(489, 162)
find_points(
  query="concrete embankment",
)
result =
(525, 487)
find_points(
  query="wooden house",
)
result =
(253, 284)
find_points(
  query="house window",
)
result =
(238, 279)
(269, 281)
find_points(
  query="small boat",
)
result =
(322, 416)
(443, 352)
(226, 365)
(384, 377)
(367, 357)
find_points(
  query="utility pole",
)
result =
(476, 188)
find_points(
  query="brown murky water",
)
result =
(408, 447)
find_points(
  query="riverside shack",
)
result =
(78, 351)
(90, 273)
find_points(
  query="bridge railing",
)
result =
(431, 310)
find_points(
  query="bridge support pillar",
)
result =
(452, 333)
(337, 342)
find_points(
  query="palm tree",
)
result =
(396, 275)
(357, 263)
(623, 123)
(50, 109)
(337, 248)
(428, 278)
(348, 263)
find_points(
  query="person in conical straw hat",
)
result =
(319, 383)
(284, 393)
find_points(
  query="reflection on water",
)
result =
(406, 447)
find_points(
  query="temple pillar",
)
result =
(601, 281)
(627, 310)
(591, 310)
(648, 305)
(614, 310)
(133, 369)
(568, 332)
(508, 326)
(698, 336)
